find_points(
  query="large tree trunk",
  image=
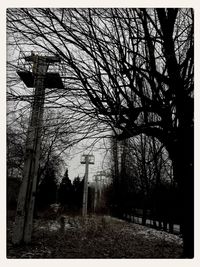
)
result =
(182, 155)
(181, 147)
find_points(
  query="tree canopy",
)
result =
(130, 68)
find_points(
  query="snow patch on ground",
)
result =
(53, 226)
(95, 237)
(146, 232)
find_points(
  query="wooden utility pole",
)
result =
(86, 159)
(26, 200)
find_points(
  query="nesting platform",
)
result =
(52, 79)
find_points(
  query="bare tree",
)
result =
(144, 169)
(121, 67)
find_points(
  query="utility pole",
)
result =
(85, 188)
(26, 200)
(95, 192)
(86, 159)
(99, 183)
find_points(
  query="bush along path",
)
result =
(95, 237)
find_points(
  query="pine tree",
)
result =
(47, 190)
(78, 192)
(65, 192)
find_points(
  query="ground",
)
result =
(95, 237)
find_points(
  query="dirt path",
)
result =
(97, 237)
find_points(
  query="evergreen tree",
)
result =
(47, 190)
(78, 192)
(65, 192)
